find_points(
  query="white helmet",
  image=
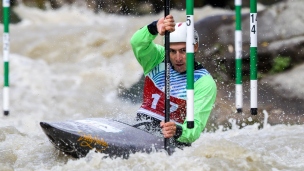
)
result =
(180, 33)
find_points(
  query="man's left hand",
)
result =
(168, 129)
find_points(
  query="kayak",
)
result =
(111, 137)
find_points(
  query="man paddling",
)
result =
(151, 57)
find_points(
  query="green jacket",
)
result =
(151, 56)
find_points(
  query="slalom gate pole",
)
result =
(167, 76)
(190, 63)
(253, 57)
(6, 49)
(238, 56)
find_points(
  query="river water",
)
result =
(72, 64)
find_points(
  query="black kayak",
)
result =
(112, 137)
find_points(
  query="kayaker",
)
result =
(151, 57)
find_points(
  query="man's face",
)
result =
(178, 55)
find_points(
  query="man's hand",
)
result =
(165, 24)
(168, 129)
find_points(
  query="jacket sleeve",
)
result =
(204, 98)
(147, 53)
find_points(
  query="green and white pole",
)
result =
(6, 49)
(253, 57)
(190, 63)
(238, 56)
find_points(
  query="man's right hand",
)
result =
(165, 24)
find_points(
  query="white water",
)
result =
(70, 63)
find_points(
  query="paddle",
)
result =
(167, 76)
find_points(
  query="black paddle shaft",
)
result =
(167, 75)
